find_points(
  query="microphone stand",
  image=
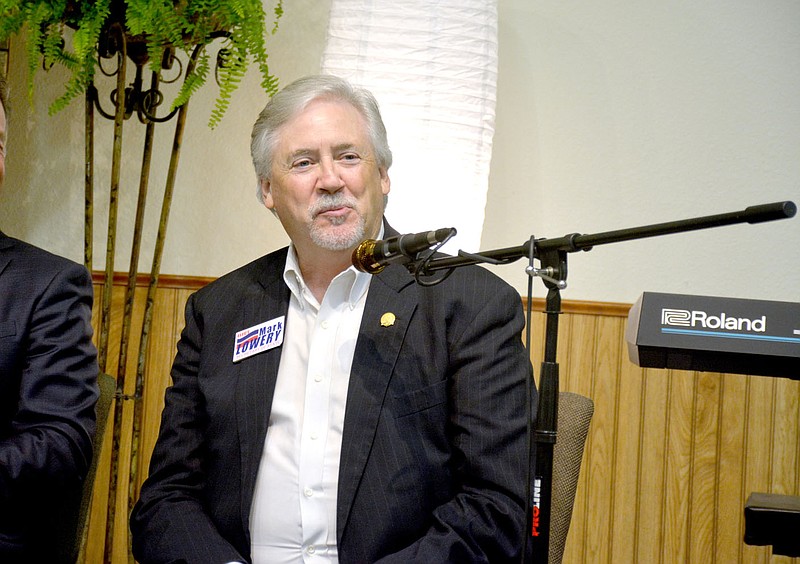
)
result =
(552, 256)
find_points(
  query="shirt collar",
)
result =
(351, 282)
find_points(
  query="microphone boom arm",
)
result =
(552, 256)
(577, 242)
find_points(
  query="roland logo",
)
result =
(701, 319)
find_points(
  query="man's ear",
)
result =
(266, 194)
(386, 183)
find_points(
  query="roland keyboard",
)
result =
(715, 334)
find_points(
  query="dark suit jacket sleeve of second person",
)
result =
(48, 392)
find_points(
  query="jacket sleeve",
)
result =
(49, 446)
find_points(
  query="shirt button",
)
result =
(311, 549)
(308, 492)
(314, 436)
(324, 324)
(318, 378)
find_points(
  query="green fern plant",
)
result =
(67, 33)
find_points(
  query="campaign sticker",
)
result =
(258, 338)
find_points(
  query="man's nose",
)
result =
(329, 178)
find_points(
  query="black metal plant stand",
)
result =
(127, 101)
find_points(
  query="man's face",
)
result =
(326, 186)
(2, 144)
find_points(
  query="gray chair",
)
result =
(574, 415)
(74, 530)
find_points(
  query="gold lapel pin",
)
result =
(387, 319)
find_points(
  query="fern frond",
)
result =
(193, 81)
(231, 71)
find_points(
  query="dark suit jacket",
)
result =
(48, 391)
(433, 463)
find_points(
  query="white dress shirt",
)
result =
(293, 517)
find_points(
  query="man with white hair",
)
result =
(322, 414)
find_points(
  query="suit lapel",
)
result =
(5, 257)
(375, 356)
(256, 375)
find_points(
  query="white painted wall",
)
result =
(617, 114)
(610, 115)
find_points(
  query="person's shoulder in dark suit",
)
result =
(256, 276)
(48, 392)
(39, 264)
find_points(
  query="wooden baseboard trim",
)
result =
(164, 280)
(609, 309)
(173, 281)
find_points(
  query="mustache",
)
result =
(330, 202)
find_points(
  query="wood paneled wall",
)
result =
(167, 324)
(670, 459)
(671, 455)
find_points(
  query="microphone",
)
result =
(372, 256)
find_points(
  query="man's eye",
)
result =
(302, 163)
(349, 157)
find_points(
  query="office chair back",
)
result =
(73, 532)
(574, 415)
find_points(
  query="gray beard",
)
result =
(331, 236)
